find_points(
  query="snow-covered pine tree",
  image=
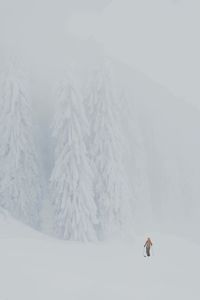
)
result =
(105, 148)
(71, 180)
(20, 191)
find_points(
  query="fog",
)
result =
(99, 149)
(154, 49)
(159, 38)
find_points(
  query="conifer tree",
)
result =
(20, 191)
(110, 186)
(71, 180)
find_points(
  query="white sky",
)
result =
(159, 37)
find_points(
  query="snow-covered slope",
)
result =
(34, 266)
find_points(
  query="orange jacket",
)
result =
(148, 243)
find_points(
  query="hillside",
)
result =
(161, 132)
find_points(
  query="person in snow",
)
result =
(148, 246)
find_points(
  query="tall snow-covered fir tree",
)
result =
(20, 191)
(71, 180)
(111, 189)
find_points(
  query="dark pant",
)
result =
(148, 251)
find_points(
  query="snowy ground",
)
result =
(33, 266)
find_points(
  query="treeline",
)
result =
(87, 187)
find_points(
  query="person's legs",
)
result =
(148, 251)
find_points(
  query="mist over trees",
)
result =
(87, 187)
(115, 157)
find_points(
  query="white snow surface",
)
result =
(35, 266)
